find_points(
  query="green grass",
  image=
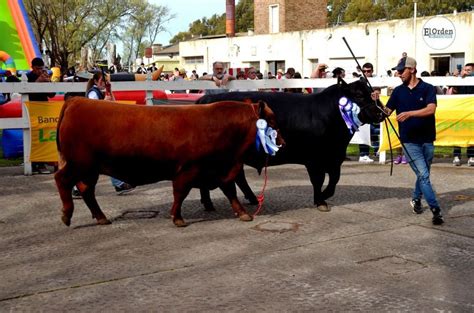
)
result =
(440, 152)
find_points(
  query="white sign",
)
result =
(439, 33)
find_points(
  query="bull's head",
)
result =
(371, 111)
(264, 112)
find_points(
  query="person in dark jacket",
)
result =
(39, 74)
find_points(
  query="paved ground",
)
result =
(369, 254)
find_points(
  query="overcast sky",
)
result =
(187, 11)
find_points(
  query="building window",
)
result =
(314, 63)
(274, 18)
(447, 63)
(194, 60)
(274, 66)
(256, 65)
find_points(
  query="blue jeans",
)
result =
(116, 182)
(420, 157)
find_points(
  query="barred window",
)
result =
(194, 60)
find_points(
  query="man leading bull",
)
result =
(415, 103)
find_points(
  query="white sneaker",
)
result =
(456, 161)
(470, 162)
(365, 159)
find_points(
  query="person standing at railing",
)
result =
(10, 78)
(219, 77)
(319, 72)
(364, 150)
(99, 89)
(296, 75)
(180, 75)
(142, 69)
(39, 74)
(252, 75)
(467, 71)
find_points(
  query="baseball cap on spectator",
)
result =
(182, 71)
(405, 62)
(280, 71)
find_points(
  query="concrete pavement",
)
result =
(370, 253)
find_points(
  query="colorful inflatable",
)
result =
(17, 37)
(9, 63)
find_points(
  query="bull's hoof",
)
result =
(323, 208)
(245, 217)
(208, 207)
(66, 220)
(252, 200)
(179, 222)
(103, 221)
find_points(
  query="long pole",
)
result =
(414, 29)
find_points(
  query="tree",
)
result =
(215, 25)
(363, 11)
(161, 16)
(66, 26)
(244, 16)
(368, 10)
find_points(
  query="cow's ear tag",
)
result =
(261, 124)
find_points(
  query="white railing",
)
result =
(24, 88)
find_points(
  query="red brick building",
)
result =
(274, 16)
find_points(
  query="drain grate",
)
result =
(277, 227)
(393, 265)
(142, 214)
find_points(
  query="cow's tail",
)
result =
(61, 115)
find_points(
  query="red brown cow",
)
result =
(193, 145)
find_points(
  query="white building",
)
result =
(439, 43)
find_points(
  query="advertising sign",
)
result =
(439, 33)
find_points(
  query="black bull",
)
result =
(315, 133)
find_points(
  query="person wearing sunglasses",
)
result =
(252, 75)
(415, 104)
(364, 150)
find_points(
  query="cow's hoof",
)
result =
(245, 217)
(180, 222)
(323, 208)
(66, 220)
(103, 221)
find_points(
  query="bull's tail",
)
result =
(61, 115)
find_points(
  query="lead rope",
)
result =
(261, 196)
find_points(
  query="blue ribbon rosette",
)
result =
(266, 138)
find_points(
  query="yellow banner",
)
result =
(454, 123)
(44, 118)
(43, 121)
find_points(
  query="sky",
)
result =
(187, 11)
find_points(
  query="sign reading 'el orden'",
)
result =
(44, 118)
(439, 33)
